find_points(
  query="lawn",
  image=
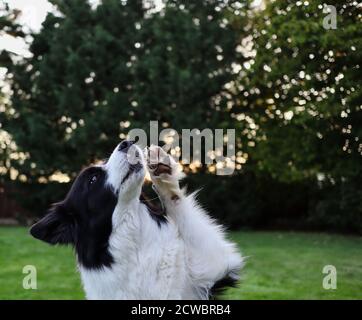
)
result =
(280, 265)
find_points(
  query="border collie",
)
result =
(124, 249)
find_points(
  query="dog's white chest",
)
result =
(154, 270)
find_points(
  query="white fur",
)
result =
(182, 259)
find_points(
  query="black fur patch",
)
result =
(156, 212)
(221, 285)
(83, 219)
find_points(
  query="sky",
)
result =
(32, 16)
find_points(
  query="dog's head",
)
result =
(84, 217)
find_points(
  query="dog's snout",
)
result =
(125, 145)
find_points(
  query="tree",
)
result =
(9, 27)
(303, 94)
(67, 108)
(95, 73)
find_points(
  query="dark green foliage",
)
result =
(96, 73)
(93, 71)
(67, 95)
(8, 27)
(308, 102)
(303, 91)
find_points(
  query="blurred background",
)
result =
(77, 75)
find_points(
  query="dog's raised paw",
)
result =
(165, 173)
(159, 162)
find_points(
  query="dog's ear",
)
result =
(57, 227)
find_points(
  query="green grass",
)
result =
(280, 265)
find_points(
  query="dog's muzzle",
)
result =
(133, 157)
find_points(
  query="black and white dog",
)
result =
(124, 249)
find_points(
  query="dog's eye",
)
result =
(93, 179)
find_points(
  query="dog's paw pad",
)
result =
(159, 162)
(161, 169)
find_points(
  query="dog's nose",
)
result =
(125, 145)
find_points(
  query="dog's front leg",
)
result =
(211, 257)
